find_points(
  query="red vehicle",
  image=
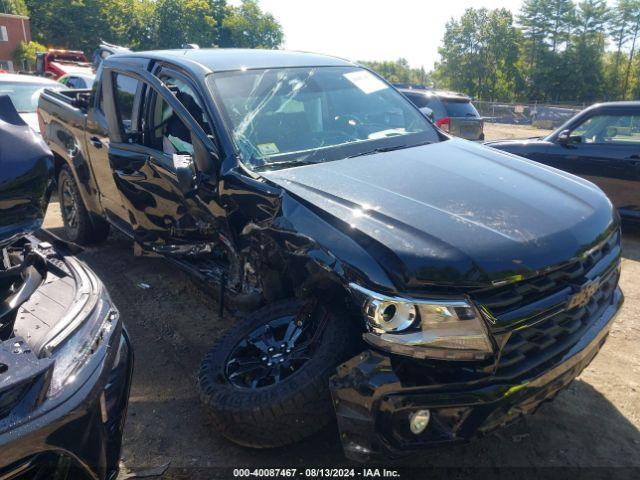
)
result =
(56, 63)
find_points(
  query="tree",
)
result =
(71, 24)
(399, 71)
(26, 52)
(587, 52)
(14, 7)
(535, 22)
(247, 26)
(479, 54)
(561, 23)
(131, 23)
(630, 13)
(185, 21)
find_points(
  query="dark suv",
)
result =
(435, 287)
(452, 112)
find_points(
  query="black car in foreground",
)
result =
(452, 112)
(601, 144)
(424, 289)
(65, 360)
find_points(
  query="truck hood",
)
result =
(454, 213)
(26, 175)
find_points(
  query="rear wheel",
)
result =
(79, 226)
(267, 380)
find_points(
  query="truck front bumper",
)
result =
(374, 407)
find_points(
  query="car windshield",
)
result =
(288, 116)
(24, 96)
(457, 108)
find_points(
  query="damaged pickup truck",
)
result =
(65, 360)
(424, 289)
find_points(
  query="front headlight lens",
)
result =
(72, 354)
(441, 329)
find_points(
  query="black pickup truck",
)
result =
(423, 289)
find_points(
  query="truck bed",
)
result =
(63, 110)
(73, 98)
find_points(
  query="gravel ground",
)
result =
(496, 131)
(593, 423)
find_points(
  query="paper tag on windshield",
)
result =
(365, 81)
(268, 148)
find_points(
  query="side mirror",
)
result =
(205, 160)
(563, 138)
(185, 172)
(427, 112)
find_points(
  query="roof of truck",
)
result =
(225, 59)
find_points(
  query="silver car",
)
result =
(24, 92)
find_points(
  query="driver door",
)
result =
(148, 164)
(605, 149)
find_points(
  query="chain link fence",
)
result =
(537, 115)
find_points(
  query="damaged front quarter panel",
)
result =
(291, 247)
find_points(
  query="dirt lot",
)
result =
(497, 131)
(594, 423)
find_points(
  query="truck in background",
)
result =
(55, 63)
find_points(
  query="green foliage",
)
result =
(27, 51)
(247, 26)
(149, 24)
(480, 54)
(185, 21)
(557, 52)
(399, 71)
(14, 7)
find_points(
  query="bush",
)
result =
(26, 51)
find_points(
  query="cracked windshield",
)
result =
(295, 116)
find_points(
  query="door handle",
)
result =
(130, 175)
(96, 142)
(635, 156)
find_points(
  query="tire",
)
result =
(292, 409)
(79, 226)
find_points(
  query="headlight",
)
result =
(424, 328)
(74, 352)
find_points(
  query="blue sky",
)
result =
(372, 29)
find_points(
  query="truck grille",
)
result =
(535, 346)
(534, 314)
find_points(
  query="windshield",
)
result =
(302, 115)
(24, 96)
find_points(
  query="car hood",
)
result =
(454, 213)
(26, 175)
(31, 119)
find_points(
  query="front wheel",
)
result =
(267, 381)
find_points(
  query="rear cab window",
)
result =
(124, 93)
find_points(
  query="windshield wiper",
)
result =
(387, 149)
(287, 163)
